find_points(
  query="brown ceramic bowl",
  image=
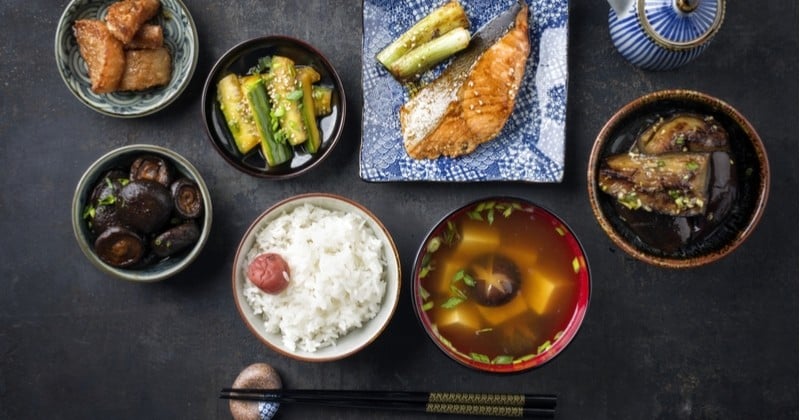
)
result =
(239, 60)
(683, 242)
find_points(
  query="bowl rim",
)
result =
(557, 348)
(389, 299)
(90, 176)
(265, 42)
(694, 96)
(62, 30)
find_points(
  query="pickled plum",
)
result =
(269, 272)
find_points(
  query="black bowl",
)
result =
(239, 60)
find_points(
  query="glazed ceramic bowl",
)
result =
(501, 285)
(240, 60)
(122, 158)
(180, 38)
(738, 187)
(302, 293)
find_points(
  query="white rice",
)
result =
(336, 283)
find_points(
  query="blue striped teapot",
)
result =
(663, 34)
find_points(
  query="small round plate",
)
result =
(180, 37)
(239, 60)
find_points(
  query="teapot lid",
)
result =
(681, 24)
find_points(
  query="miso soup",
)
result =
(500, 282)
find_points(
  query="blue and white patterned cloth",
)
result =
(531, 146)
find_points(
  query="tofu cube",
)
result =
(496, 315)
(541, 290)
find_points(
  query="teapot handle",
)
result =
(685, 7)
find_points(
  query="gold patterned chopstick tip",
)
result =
(474, 410)
(510, 400)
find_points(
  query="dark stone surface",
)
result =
(719, 341)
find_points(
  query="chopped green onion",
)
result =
(424, 294)
(480, 357)
(544, 347)
(452, 303)
(503, 359)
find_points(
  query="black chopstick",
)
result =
(500, 405)
(513, 400)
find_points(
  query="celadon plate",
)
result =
(180, 38)
(530, 148)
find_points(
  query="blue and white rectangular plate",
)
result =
(530, 147)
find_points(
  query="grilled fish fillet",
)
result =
(125, 18)
(466, 107)
(145, 69)
(102, 52)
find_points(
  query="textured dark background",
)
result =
(719, 341)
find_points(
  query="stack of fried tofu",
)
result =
(124, 52)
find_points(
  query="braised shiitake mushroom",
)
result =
(152, 168)
(144, 205)
(119, 247)
(142, 215)
(187, 198)
(102, 208)
(176, 239)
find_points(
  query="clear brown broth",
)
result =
(522, 327)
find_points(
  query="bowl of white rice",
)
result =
(338, 280)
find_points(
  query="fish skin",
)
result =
(469, 104)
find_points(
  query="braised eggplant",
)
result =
(152, 168)
(119, 247)
(186, 198)
(175, 239)
(144, 205)
(683, 133)
(675, 183)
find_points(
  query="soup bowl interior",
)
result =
(501, 285)
(660, 239)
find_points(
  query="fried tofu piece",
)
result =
(145, 69)
(103, 53)
(149, 37)
(126, 17)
